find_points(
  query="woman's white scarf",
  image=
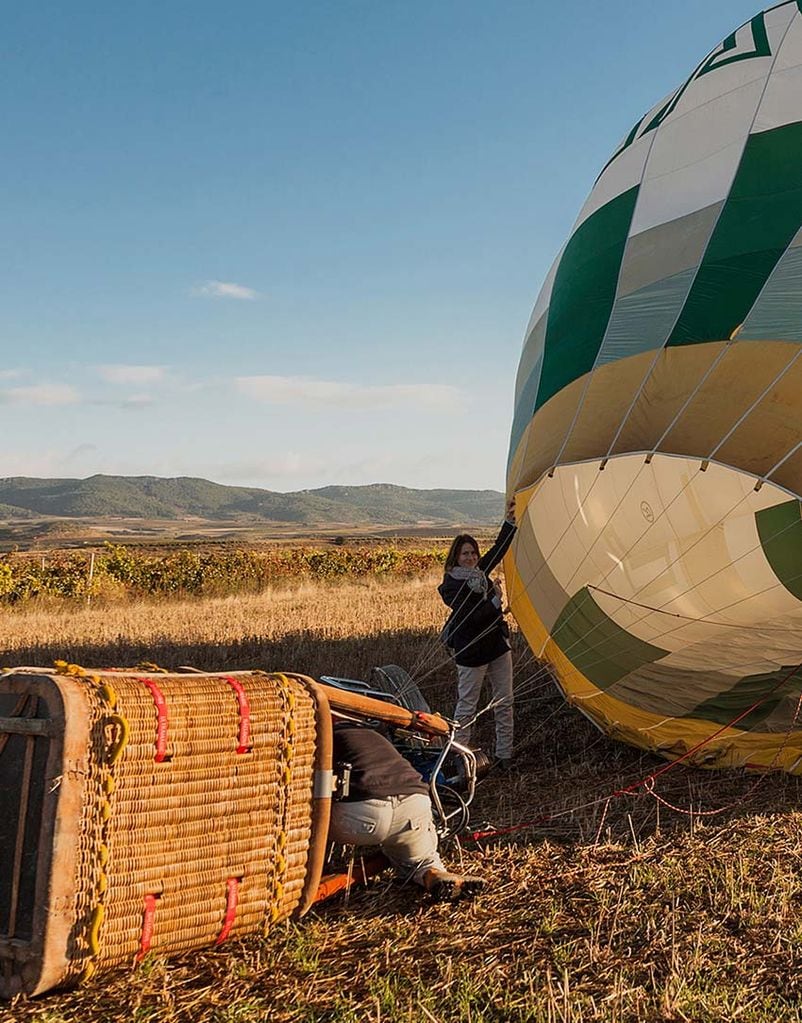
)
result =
(475, 578)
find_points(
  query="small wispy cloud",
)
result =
(130, 403)
(10, 374)
(280, 390)
(121, 373)
(40, 394)
(225, 289)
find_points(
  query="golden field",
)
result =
(616, 909)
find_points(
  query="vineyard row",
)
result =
(117, 572)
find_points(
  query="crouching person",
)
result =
(387, 806)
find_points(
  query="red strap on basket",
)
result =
(148, 920)
(163, 717)
(244, 715)
(232, 898)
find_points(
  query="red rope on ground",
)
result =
(749, 791)
(646, 782)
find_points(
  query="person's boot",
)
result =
(446, 887)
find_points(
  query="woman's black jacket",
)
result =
(476, 629)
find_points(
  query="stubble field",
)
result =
(604, 909)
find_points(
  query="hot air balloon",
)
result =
(656, 448)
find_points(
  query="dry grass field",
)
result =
(611, 909)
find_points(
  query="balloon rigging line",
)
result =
(679, 557)
(749, 792)
(676, 320)
(612, 515)
(745, 415)
(662, 571)
(643, 782)
(498, 703)
(636, 398)
(703, 620)
(700, 384)
(709, 457)
(687, 618)
(664, 345)
(519, 689)
(635, 640)
(671, 425)
(597, 358)
(782, 461)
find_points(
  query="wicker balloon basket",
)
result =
(148, 812)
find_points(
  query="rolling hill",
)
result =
(151, 497)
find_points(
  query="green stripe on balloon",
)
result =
(583, 294)
(723, 707)
(762, 215)
(598, 646)
(780, 532)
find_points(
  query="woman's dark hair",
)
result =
(453, 551)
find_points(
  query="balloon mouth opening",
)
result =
(668, 583)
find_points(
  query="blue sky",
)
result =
(288, 245)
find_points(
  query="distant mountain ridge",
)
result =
(153, 497)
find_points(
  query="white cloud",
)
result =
(280, 390)
(225, 289)
(127, 374)
(10, 374)
(40, 394)
(133, 402)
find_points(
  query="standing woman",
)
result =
(477, 633)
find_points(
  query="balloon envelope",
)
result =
(656, 447)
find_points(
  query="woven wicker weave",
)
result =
(146, 828)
